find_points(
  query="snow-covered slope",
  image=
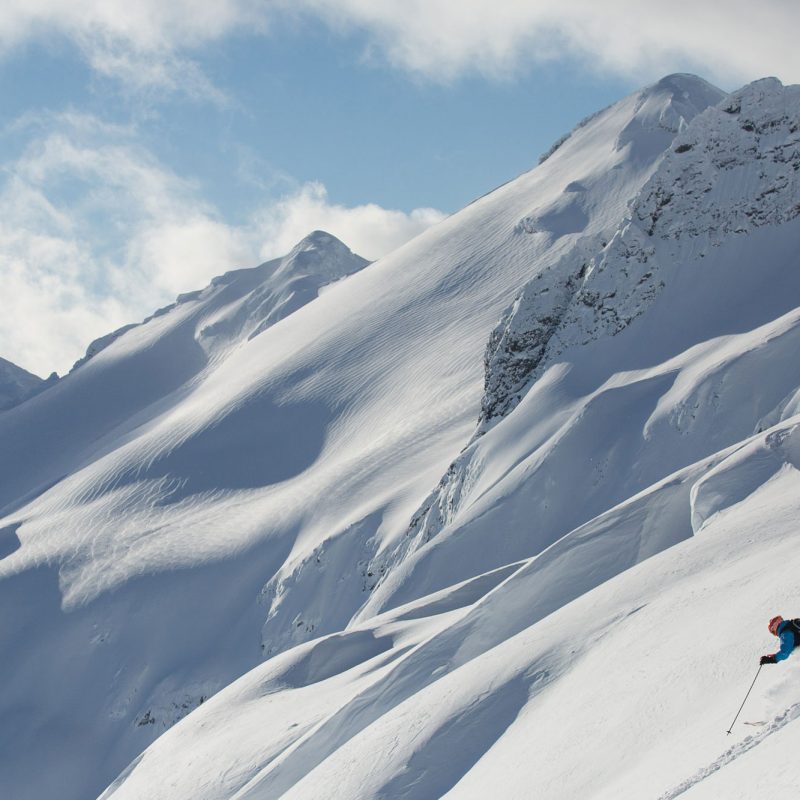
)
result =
(151, 367)
(646, 351)
(17, 385)
(196, 499)
(561, 681)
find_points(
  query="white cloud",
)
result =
(150, 42)
(146, 44)
(145, 25)
(95, 233)
(155, 75)
(369, 230)
(734, 41)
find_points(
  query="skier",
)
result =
(788, 631)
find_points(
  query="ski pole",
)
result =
(745, 699)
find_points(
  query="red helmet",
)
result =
(773, 624)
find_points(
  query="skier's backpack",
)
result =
(794, 626)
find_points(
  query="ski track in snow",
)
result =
(732, 753)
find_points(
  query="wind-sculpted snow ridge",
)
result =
(731, 170)
(286, 285)
(102, 342)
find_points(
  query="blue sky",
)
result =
(147, 147)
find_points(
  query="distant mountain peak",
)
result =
(683, 82)
(322, 255)
(273, 290)
(319, 239)
(17, 384)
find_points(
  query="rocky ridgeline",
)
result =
(518, 343)
(732, 169)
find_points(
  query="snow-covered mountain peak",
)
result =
(663, 110)
(683, 89)
(241, 303)
(319, 240)
(322, 255)
(734, 169)
(148, 363)
(730, 170)
(278, 288)
(647, 119)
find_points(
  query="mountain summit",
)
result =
(322, 255)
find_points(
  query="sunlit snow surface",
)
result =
(234, 481)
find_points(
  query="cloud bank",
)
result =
(96, 233)
(151, 42)
(735, 41)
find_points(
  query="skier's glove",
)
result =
(768, 660)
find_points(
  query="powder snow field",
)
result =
(254, 547)
(626, 691)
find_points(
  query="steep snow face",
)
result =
(714, 227)
(203, 493)
(16, 385)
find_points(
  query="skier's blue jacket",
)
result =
(788, 636)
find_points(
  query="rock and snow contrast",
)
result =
(506, 510)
